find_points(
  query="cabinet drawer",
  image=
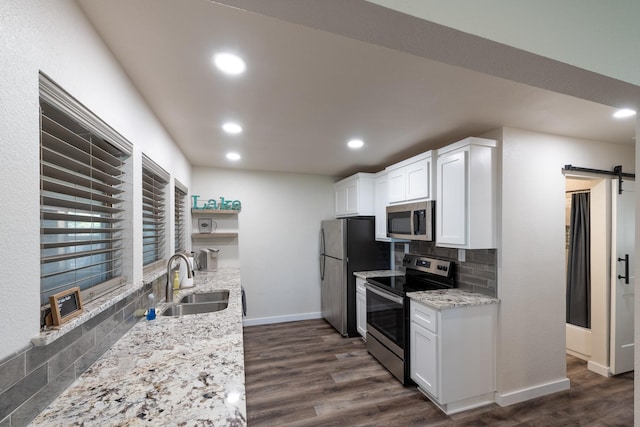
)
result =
(424, 316)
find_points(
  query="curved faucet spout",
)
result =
(169, 288)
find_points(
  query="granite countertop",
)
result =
(451, 298)
(377, 273)
(186, 371)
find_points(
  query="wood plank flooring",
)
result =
(306, 374)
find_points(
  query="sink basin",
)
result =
(204, 307)
(213, 296)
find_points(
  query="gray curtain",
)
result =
(578, 266)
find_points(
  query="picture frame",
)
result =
(65, 306)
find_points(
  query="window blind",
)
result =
(154, 182)
(180, 219)
(81, 205)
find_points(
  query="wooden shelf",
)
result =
(215, 235)
(215, 211)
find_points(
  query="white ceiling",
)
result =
(306, 92)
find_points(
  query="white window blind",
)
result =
(81, 200)
(154, 182)
(180, 219)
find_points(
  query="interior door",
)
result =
(623, 279)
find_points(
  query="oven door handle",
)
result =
(383, 294)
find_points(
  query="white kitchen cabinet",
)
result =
(354, 195)
(380, 200)
(424, 354)
(452, 354)
(411, 179)
(466, 194)
(361, 307)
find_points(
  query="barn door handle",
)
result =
(626, 269)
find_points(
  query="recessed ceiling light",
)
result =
(233, 156)
(229, 63)
(355, 144)
(232, 128)
(624, 113)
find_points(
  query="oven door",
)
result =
(386, 319)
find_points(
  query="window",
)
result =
(82, 191)
(154, 182)
(179, 223)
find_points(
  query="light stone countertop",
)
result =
(186, 371)
(377, 273)
(451, 298)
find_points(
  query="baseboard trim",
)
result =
(599, 369)
(281, 319)
(506, 399)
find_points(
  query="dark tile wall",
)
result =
(34, 377)
(478, 273)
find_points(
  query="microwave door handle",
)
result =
(415, 223)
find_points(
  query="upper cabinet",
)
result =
(380, 200)
(466, 194)
(354, 195)
(411, 179)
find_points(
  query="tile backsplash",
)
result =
(35, 376)
(478, 273)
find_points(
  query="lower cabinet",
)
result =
(361, 307)
(452, 354)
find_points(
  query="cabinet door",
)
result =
(423, 364)
(381, 197)
(351, 197)
(417, 180)
(451, 208)
(397, 187)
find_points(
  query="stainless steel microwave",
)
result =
(411, 221)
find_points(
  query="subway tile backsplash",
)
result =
(478, 273)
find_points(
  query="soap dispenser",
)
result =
(151, 311)
(176, 281)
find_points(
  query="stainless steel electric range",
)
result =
(388, 309)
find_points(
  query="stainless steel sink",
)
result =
(197, 308)
(213, 296)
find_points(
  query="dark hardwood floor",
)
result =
(306, 374)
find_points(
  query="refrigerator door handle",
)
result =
(322, 260)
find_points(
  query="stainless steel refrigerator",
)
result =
(347, 245)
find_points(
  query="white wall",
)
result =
(279, 228)
(531, 271)
(55, 38)
(594, 35)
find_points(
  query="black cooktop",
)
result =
(399, 285)
(421, 274)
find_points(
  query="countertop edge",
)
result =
(451, 298)
(377, 273)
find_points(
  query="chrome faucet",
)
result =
(169, 288)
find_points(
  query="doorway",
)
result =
(603, 339)
(583, 289)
